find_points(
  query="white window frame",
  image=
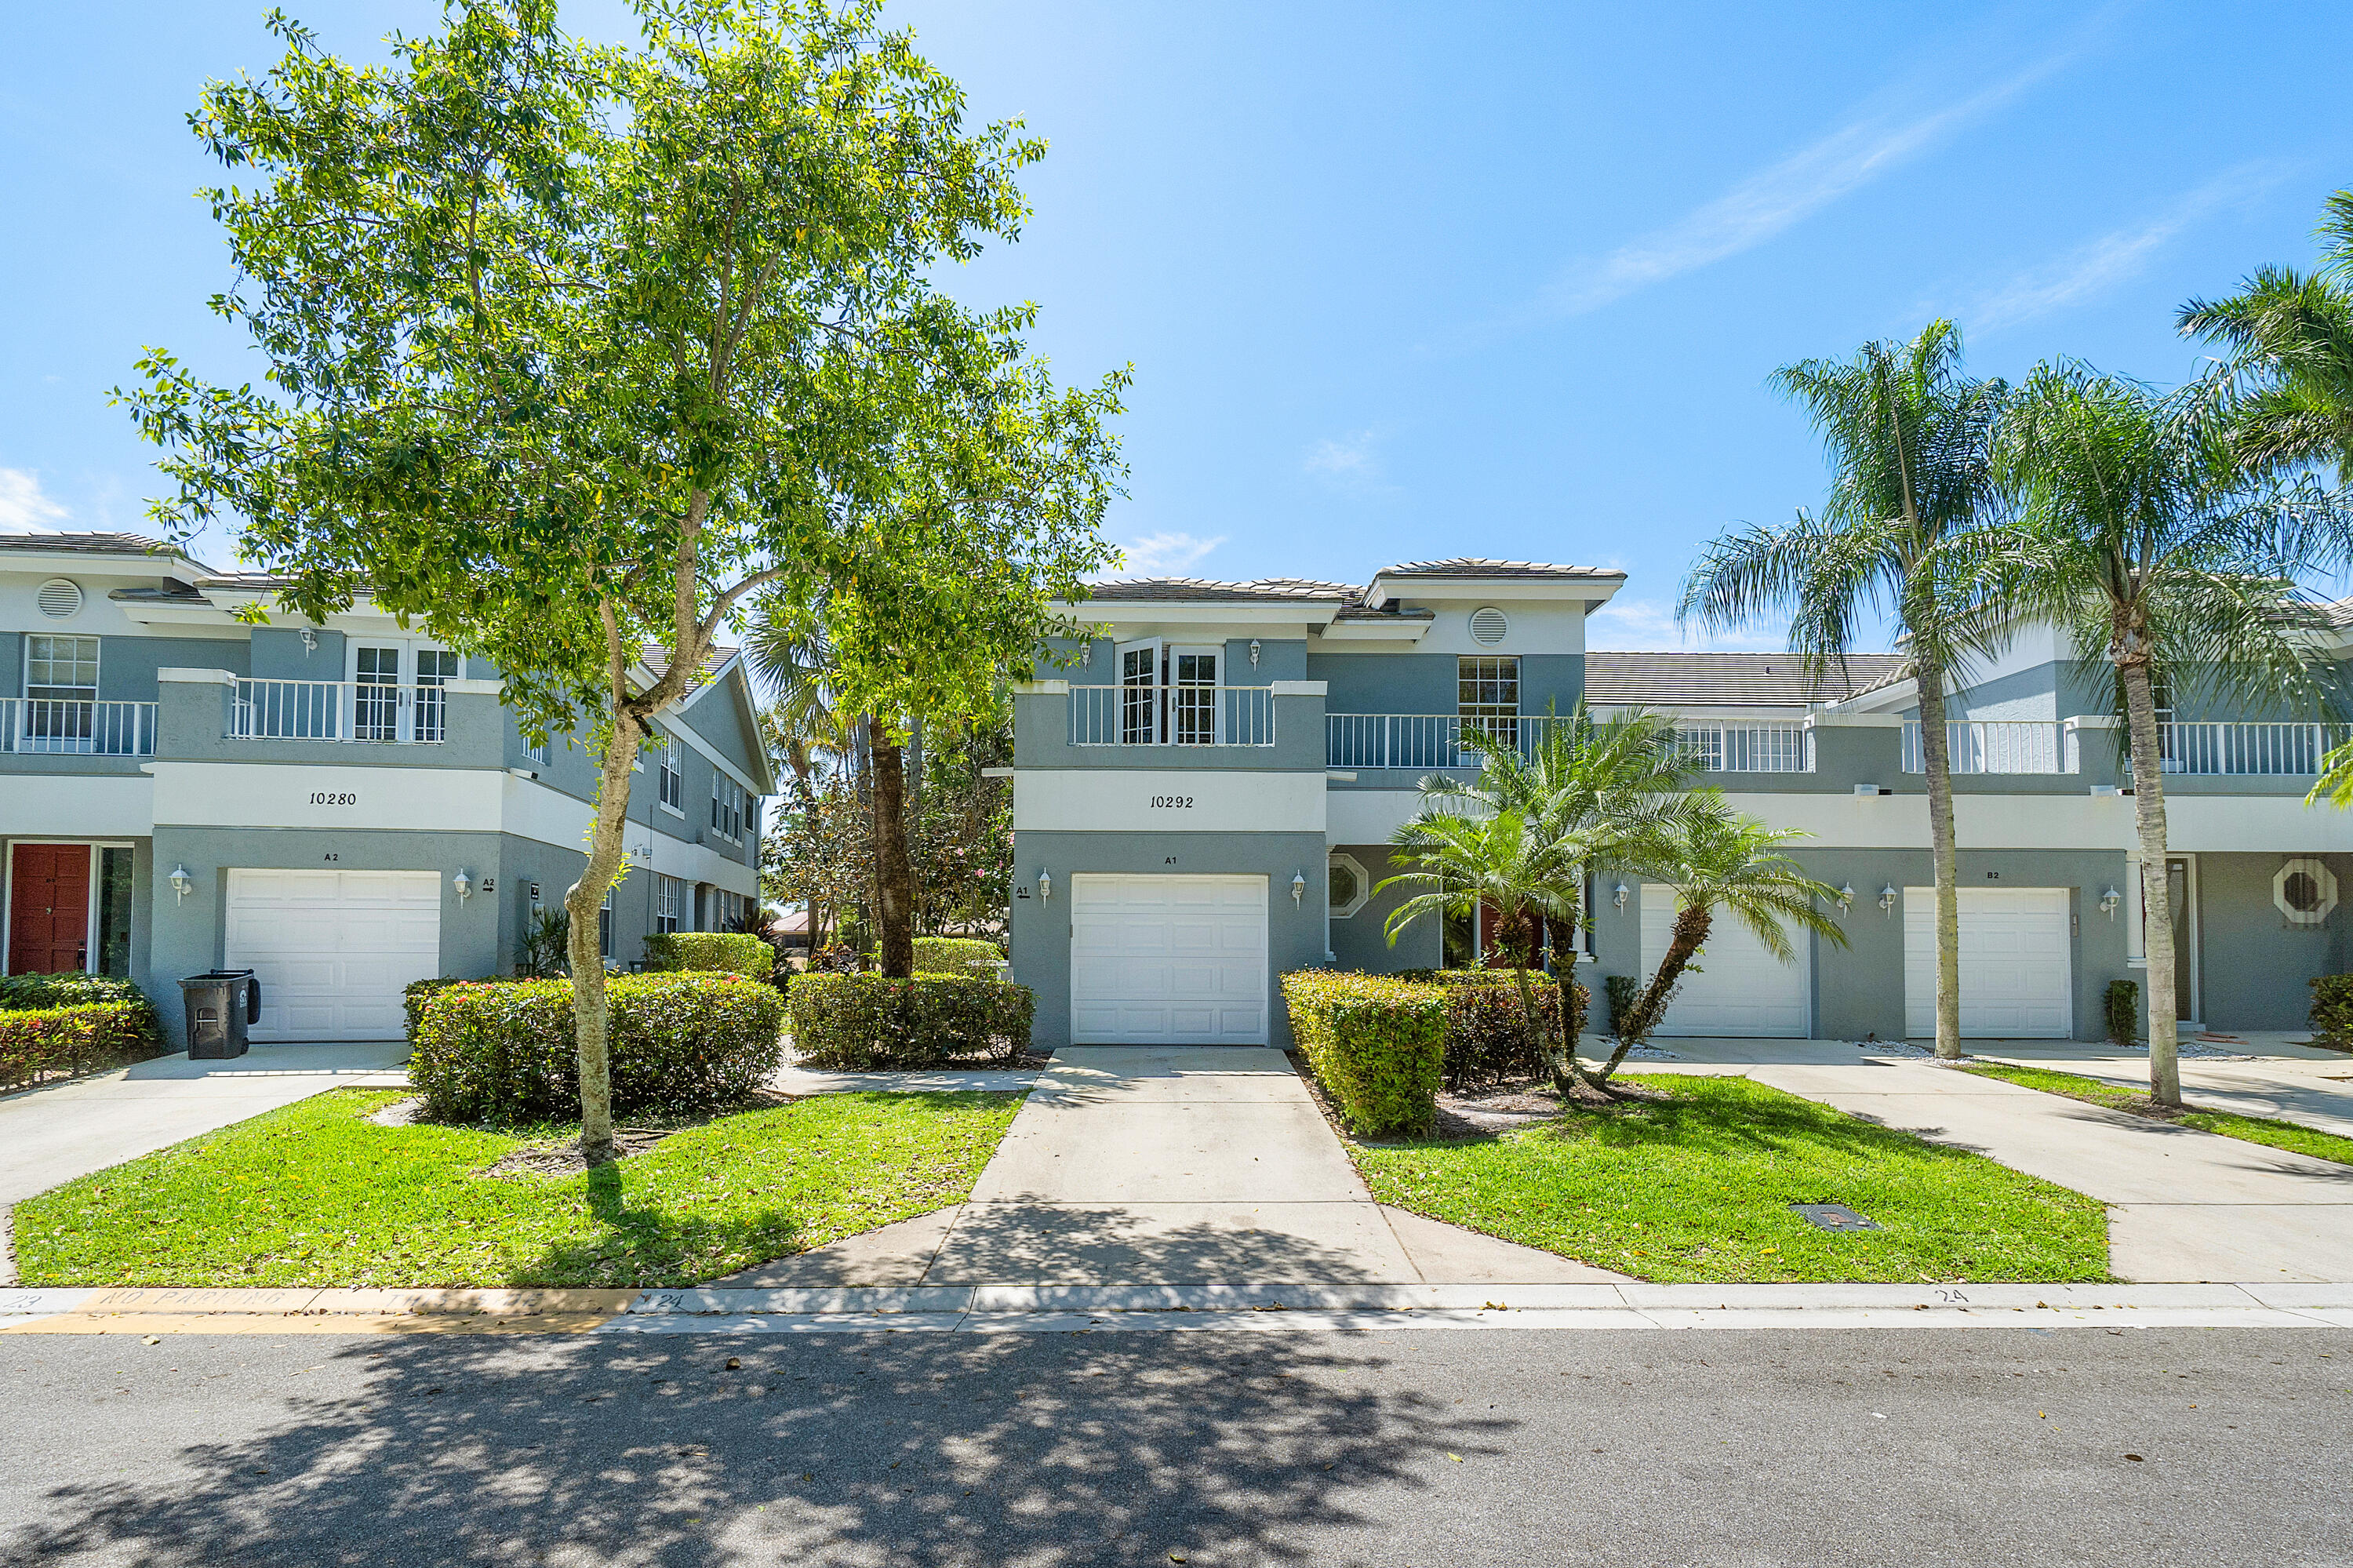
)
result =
(666, 902)
(2135, 935)
(727, 800)
(672, 778)
(1170, 707)
(1363, 887)
(410, 706)
(1153, 652)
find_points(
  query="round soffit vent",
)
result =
(60, 599)
(1489, 626)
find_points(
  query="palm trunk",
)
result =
(2156, 895)
(1690, 934)
(894, 881)
(1937, 761)
(584, 902)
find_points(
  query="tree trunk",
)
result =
(2156, 893)
(894, 881)
(584, 902)
(1937, 761)
(1691, 930)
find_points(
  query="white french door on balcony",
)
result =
(1169, 694)
(396, 687)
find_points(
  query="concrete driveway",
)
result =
(59, 1131)
(2299, 1084)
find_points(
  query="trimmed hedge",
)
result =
(1376, 1044)
(857, 1023)
(956, 956)
(20, 994)
(733, 952)
(494, 1051)
(1487, 1040)
(413, 995)
(2332, 1012)
(60, 1042)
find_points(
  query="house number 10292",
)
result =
(334, 798)
(1172, 802)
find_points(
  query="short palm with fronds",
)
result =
(1714, 858)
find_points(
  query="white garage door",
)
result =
(1734, 986)
(2016, 980)
(1168, 960)
(333, 948)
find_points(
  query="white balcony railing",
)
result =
(1179, 713)
(338, 710)
(1767, 745)
(68, 727)
(1997, 746)
(1424, 740)
(2259, 750)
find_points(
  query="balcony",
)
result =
(1999, 745)
(64, 727)
(1172, 715)
(339, 711)
(2272, 750)
(1765, 745)
(1425, 741)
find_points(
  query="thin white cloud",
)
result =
(1775, 198)
(1350, 463)
(23, 508)
(2091, 269)
(1648, 626)
(1164, 554)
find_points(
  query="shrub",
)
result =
(543, 951)
(2332, 1012)
(2123, 1010)
(494, 1051)
(956, 956)
(1623, 991)
(40, 1042)
(1376, 1044)
(75, 989)
(413, 995)
(1487, 1041)
(853, 1022)
(730, 952)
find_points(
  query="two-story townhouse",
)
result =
(342, 807)
(1204, 796)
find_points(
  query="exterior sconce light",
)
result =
(1845, 896)
(464, 883)
(1253, 652)
(180, 882)
(1618, 896)
(1045, 884)
(2108, 902)
(1887, 898)
(310, 641)
(1299, 887)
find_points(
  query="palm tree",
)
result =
(1461, 860)
(2290, 336)
(1715, 858)
(2144, 534)
(1912, 441)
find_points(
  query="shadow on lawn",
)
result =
(641, 1245)
(913, 1449)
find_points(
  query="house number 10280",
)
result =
(1172, 802)
(332, 798)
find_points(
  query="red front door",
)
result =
(49, 909)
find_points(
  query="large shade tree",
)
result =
(1911, 438)
(570, 348)
(2144, 537)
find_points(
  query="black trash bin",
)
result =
(220, 1006)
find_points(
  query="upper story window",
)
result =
(1487, 695)
(61, 669)
(726, 807)
(673, 780)
(1170, 695)
(535, 750)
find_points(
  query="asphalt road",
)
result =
(1411, 1448)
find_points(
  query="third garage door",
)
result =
(2017, 980)
(1168, 960)
(334, 949)
(1739, 987)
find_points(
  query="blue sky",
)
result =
(1396, 281)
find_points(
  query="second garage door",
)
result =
(2017, 980)
(333, 948)
(1739, 989)
(1168, 960)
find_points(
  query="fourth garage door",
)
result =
(333, 950)
(1739, 987)
(2017, 981)
(1168, 960)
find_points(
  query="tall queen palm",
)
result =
(2143, 534)
(1910, 440)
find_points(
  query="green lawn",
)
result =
(2259, 1130)
(1698, 1188)
(316, 1195)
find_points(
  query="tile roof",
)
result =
(1481, 567)
(1194, 591)
(1729, 680)
(91, 544)
(657, 659)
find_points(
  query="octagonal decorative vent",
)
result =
(2304, 891)
(1489, 626)
(1350, 887)
(60, 599)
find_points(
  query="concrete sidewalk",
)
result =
(1168, 1166)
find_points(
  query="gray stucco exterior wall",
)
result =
(2254, 965)
(1359, 942)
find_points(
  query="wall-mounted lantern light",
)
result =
(1045, 884)
(1298, 887)
(180, 882)
(310, 641)
(1253, 652)
(2108, 902)
(464, 883)
(1618, 896)
(1845, 896)
(1887, 898)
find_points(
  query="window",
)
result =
(1350, 887)
(60, 692)
(376, 693)
(1487, 695)
(605, 925)
(673, 778)
(434, 669)
(726, 807)
(1139, 694)
(112, 949)
(1193, 697)
(667, 899)
(535, 751)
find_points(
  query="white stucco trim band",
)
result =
(1165, 801)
